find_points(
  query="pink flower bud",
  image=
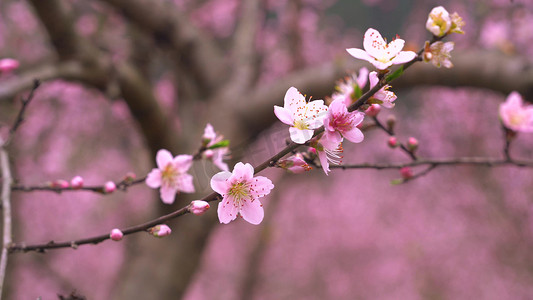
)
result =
(373, 110)
(130, 177)
(406, 173)
(295, 164)
(60, 183)
(109, 187)
(160, 230)
(116, 235)
(8, 64)
(198, 207)
(412, 144)
(392, 142)
(76, 182)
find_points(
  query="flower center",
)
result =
(169, 175)
(517, 119)
(300, 124)
(240, 191)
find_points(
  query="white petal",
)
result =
(373, 43)
(284, 115)
(227, 211)
(393, 48)
(293, 100)
(300, 136)
(403, 57)
(168, 194)
(163, 157)
(360, 54)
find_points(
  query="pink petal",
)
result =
(360, 54)
(252, 212)
(403, 57)
(219, 182)
(381, 65)
(355, 135)
(362, 78)
(324, 161)
(185, 183)
(373, 76)
(227, 211)
(153, 179)
(284, 115)
(373, 43)
(314, 114)
(331, 140)
(209, 132)
(242, 172)
(182, 162)
(163, 157)
(260, 186)
(300, 136)
(338, 106)
(168, 194)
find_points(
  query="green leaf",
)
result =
(221, 144)
(397, 181)
(396, 74)
(357, 92)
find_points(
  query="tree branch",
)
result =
(6, 210)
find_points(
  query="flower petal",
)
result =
(300, 136)
(360, 54)
(219, 182)
(331, 139)
(183, 162)
(393, 49)
(354, 135)
(403, 57)
(373, 43)
(185, 183)
(260, 186)
(153, 179)
(284, 115)
(168, 194)
(293, 100)
(227, 211)
(242, 172)
(252, 212)
(163, 157)
(323, 161)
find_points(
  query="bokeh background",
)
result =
(122, 79)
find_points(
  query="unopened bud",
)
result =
(295, 164)
(406, 173)
(76, 182)
(373, 110)
(412, 144)
(198, 207)
(391, 122)
(116, 235)
(392, 142)
(60, 183)
(160, 230)
(8, 65)
(109, 187)
(130, 177)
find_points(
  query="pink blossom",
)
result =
(241, 192)
(515, 115)
(406, 172)
(294, 163)
(8, 65)
(412, 144)
(339, 124)
(379, 53)
(384, 96)
(116, 235)
(76, 182)
(171, 175)
(328, 152)
(352, 84)
(198, 207)
(373, 110)
(109, 187)
(60, 183)
(438, 54)
(303, 117)
(217, 154)
(160, 230)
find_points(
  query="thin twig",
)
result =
(6, 212)
(121, 185)
(390, 132)
(20, 116)
(475, 161)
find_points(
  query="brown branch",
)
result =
(196, 52)
(390, 132)
(121, 185)
(6, 212)
(474, 161)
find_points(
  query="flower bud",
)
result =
(295, 164)
(109, 187)
(373, 110)
(391, 122)
(130, 177)
(412, 144)
(160, 230)
(116, 235)
(392, 142)
(439, 21)
(406, 172)
(198, 207)
(76, 182)
(60, 184)
(8, 64)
